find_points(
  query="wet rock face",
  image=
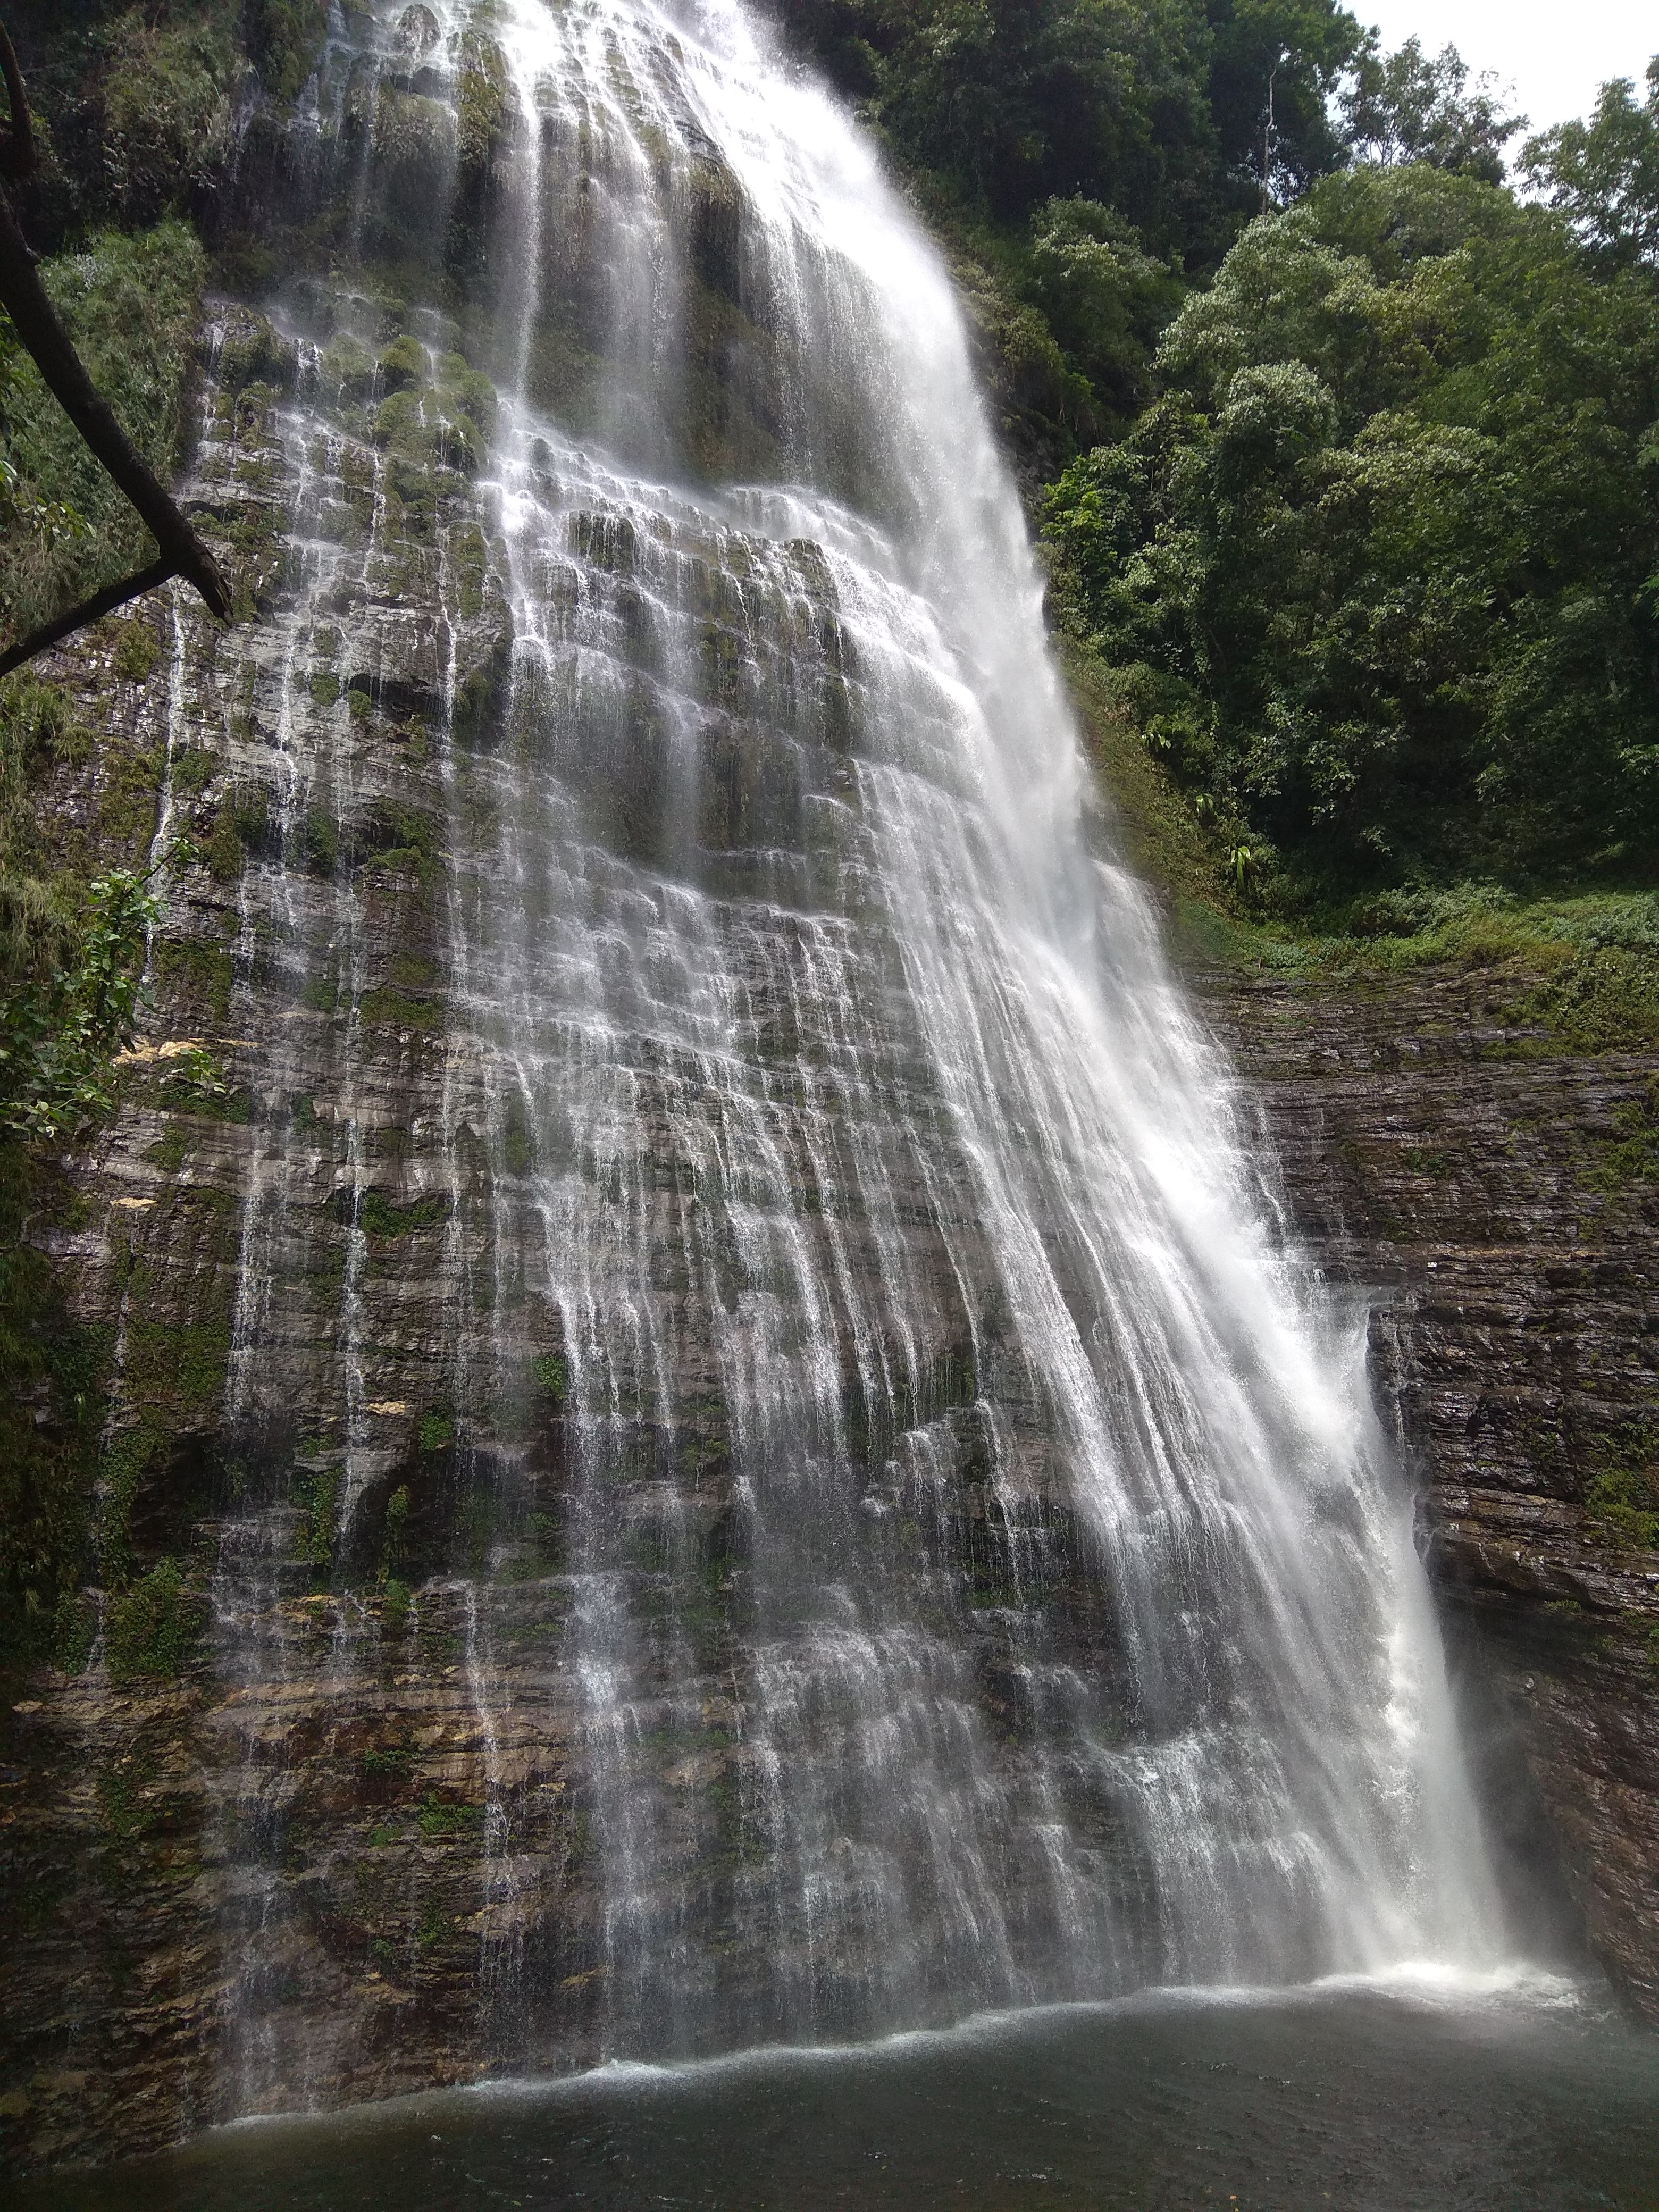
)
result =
(308, 1807)
(1497, 1202)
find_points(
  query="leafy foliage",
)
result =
(1405, 107)
(59, 1028)
(1372, 548)
(1621, 1499)
(167, 111)
(1378, 568)
(1604, 175)
(152, 1627)
(1157, 109)
(1091, 157)
(70, 956)
(70, 960)
(136, 104)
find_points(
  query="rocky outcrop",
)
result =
(1496, 1200)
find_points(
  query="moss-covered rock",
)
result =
(151, 1628)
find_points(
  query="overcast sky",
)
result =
(1556, 54)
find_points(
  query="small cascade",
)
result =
(778, 1456)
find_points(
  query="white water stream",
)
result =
(980, 1573)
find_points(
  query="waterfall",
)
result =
(764, 1368)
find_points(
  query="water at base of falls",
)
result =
(900, 1536)
(1373, 2099)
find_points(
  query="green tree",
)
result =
(1604, 175)
(1104, 298)
(1276, 66)
(1404, 106)
(1378, 571)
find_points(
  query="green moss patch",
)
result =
(1621, 1498)
(151, 1629)
(397, 1009)
(377, 1216)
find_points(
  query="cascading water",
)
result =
(888, 1530)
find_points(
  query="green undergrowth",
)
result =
(438, 1819)
(1580, 969)
(1568, 974)
(141, 103)
(70, 951)
(132, 305)
(1631, 1154)
(151, 1628)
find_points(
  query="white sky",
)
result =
(1556, 53)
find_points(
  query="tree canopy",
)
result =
(1603, 174)
(1380, 566)
(1368, 518)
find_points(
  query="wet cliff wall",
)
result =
(1494, 1196)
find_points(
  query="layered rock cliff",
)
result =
(1495, 1197)
(1489, 1195)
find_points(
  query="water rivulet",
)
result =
(776, 1482)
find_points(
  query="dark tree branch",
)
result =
(17, 156)
(36, 320)
(101, 603)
